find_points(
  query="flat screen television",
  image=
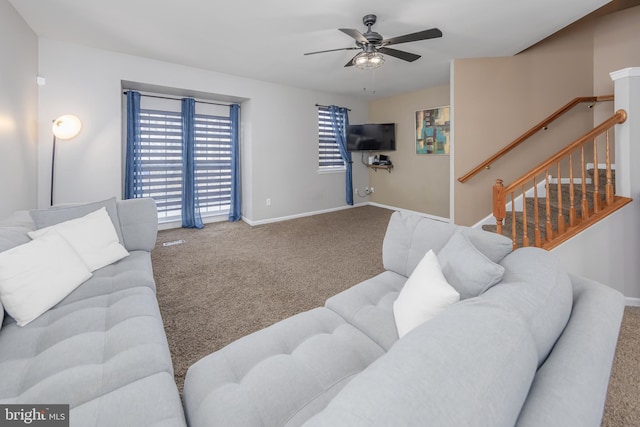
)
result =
(371, 137)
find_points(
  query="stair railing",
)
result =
(586, 205)
(543, 125)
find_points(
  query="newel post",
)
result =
(499, 204)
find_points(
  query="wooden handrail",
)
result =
(589, 200)
(620, 116)
(542, 125)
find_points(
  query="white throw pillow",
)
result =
(37, 275)
(93, 236)
(425, 294)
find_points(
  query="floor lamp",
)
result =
(64, 127)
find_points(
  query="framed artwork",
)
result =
(432, 131)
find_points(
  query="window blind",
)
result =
(328, 152)
(160, 154)
(161, 160)
(213, 163)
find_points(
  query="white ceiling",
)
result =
(266, 39)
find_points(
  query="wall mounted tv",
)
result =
(371, 137)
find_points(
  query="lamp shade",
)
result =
(66, 127)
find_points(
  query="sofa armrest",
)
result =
(139, 223)
(570, 388)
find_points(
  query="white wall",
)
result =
(609, 251)
(18, 112)
(279, 130)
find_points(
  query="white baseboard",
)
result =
(221, 218)
(305, 214)
(633, 302)
(301, 215)
(426, 215)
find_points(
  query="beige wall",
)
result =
(417, 182)
(495, 100)
(615, 46)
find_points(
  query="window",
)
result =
(329, 157)
(213, 163)
(161, 161)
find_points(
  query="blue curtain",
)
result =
(190, 208)
(339, 122)
(234, 210)
(133, 165)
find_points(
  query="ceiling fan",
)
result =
(373, 45)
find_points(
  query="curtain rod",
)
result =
(326, 106)
(178, 99)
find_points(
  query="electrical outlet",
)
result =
(268, 202)
(372, 190)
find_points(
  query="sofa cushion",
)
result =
(56, 214)
(409, 237)
(37, 275)
(537, 288)
(130, 272)
(467, 269)
(13, 230)
(574, 393)
(281, 375)
(85, 350)
(425, 295)
(150, 401)
(139, 223)
(470, 366)
(369, 306)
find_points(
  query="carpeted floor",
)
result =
(623, 400)
(229, 279)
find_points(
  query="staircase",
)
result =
(546, 231)
(561, 196)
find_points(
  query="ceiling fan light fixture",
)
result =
(368, 60)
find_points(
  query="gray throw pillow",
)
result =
(57, 214)
(493, 245)
(467, 269)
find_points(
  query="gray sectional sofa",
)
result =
(535, 349)
(102, 349)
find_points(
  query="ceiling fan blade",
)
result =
(414, 37)
(409, 57)
(350, 63)
(355, 34)
(332, 50)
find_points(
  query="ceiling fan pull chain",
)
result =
(373, 81)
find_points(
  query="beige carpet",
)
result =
(228, 280)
